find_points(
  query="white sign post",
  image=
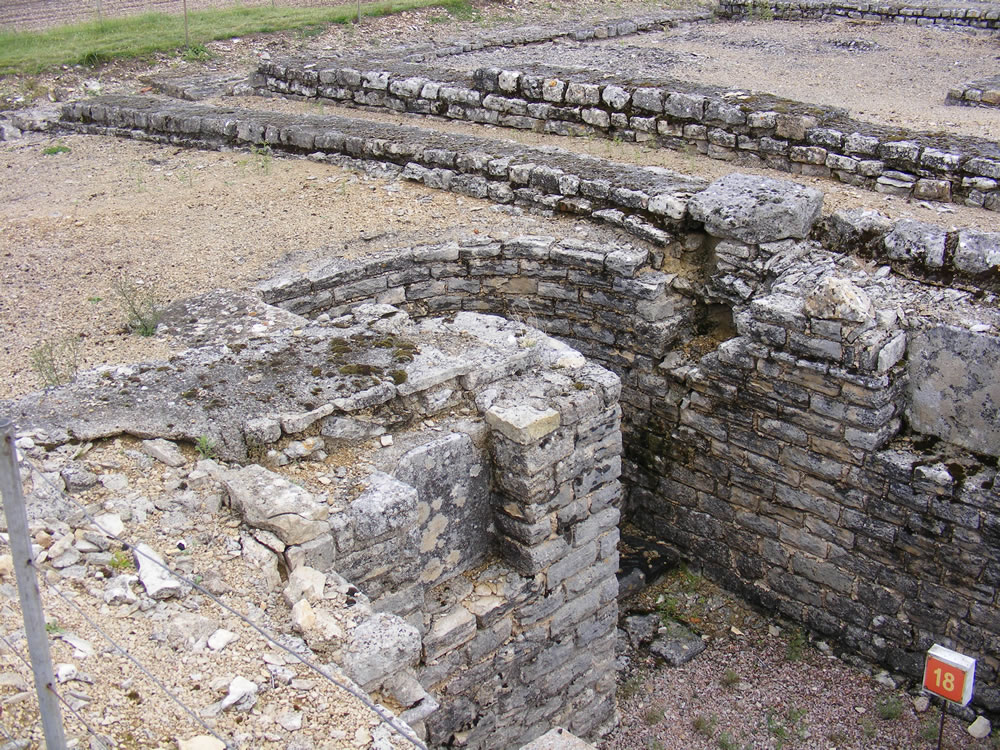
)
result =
(950, 676)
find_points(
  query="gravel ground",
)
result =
(295, 706)
(761, 684)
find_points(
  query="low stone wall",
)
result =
(778, 460)
(985, 93)
(757, 130)
(977, 15)
(472, 578)
(648, 202)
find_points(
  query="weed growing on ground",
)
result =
(121, 561)
(57, 149)
(889, 708)
(140, 303)
(838, 737)
(205, 446)
(631, 687)
(761, 10)
(929, 730)
(705, 725)
(730, 678)
(653, 715)
(868, 728)
(726, 741)
(52, 627)
(197, 53)
(56, 361)
(262, 158)
(796, 648)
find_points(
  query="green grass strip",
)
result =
(95, 42)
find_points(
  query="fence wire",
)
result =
(124, 652)
(52, 689)
(383, 715)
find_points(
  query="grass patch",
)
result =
(53, 150)
(653, 715)
(890, 708)
(795, 649)
(704, 725)
(730, 679)
(97, 42)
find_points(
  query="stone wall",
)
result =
(758, 130)
(648, 202)
(778, 462)
(833, 457)
(982, 93)
(469, 581)
(977, 15)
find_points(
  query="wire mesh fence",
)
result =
(124, 658)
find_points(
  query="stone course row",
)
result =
(761, 131)
(650, 203)
(772, 462)
(646, 201)
(978, 15)
(984, 93)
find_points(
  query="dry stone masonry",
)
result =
(804, 406)
(754, 130)
(978, 15)
(486, 547)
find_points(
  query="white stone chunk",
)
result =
(157, 581)
(164, 451)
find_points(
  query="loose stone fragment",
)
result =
(159, 583)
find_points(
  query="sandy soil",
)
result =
(71, 223)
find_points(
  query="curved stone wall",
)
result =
(775, 462)
(804, 461)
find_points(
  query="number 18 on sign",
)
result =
(949, 674)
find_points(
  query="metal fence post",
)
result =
(27, 589)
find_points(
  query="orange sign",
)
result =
(944, 680)
(949, 674)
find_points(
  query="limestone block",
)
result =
(954, 391)
(268, 501)
(386, 505)
(916, 241)
(448, 632)
(838, 299)
(159, 583)
(304, 583)
(756, 209)
(261, 431)
(164, 451)
(380, 647)
(977, 251)
(523, 423)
